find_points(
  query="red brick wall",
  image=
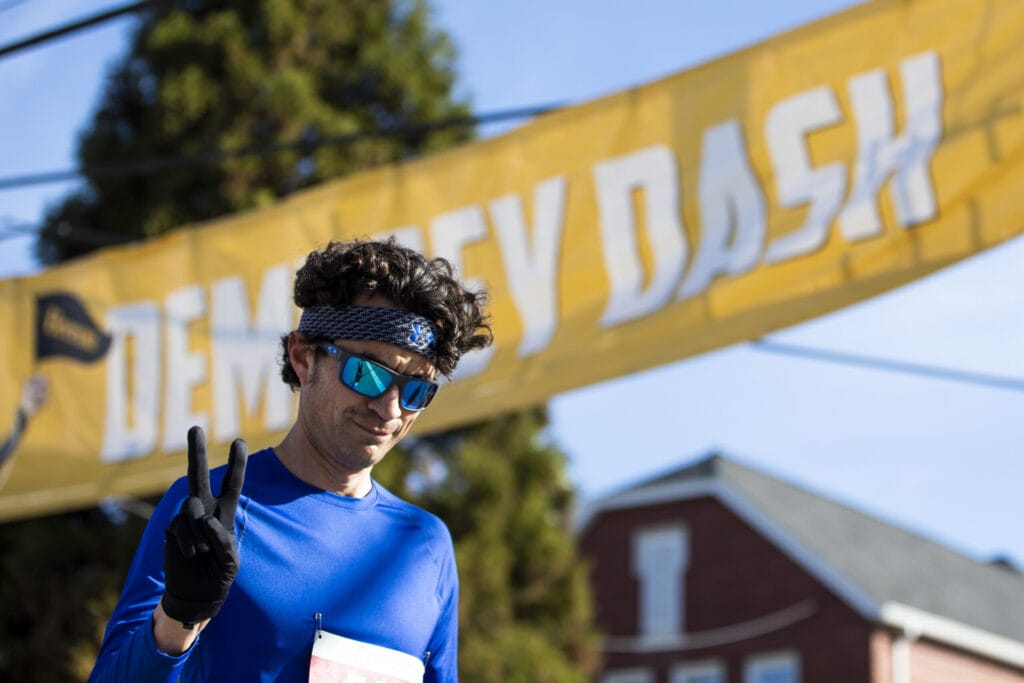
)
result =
(734, 576)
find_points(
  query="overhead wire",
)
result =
(304, 144)
(156, 164)
(12, 230)
(75, 26)
(10, 4)
(889, 365)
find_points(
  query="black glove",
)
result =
(200, 557)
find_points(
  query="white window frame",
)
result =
(660, 615)
(689, 671)
(758, 665)
(637, 675)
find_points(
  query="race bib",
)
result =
(342, 660)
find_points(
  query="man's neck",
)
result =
(303, 461)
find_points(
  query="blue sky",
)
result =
(940, 458)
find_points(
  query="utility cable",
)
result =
(11, 4)
(74, 27)
(305, 144)
(902, 367)
(10, 231)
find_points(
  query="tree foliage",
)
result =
(59, 580)
(525, 609)
(204, 75)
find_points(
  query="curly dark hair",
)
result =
(336, 274)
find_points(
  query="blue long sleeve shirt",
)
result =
(375, 569)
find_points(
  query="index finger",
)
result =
(198, 468)
(231, 486)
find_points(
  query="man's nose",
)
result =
(386, 405)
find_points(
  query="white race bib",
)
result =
(342, 660)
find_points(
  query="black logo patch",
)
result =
(64, 328)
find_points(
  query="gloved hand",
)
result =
(200, 557)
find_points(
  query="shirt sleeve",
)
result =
(442, 665)
(129, 651)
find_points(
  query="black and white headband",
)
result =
(372, 323)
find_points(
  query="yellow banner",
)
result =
(788, 180)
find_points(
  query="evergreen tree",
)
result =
(525, 608)
(60, 576)
(206, 75)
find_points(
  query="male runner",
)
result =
(304, 568)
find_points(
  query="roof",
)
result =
(888, 574)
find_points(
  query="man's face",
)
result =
(347, 428)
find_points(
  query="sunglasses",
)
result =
(371, 379)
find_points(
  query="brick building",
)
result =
(719, 573)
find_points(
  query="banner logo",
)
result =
(64, 328)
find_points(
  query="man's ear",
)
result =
(300, 355)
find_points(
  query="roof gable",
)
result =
(886, 573)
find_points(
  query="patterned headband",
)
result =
(372, 323)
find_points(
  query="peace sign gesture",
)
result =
(200, 557)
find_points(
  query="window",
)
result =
(699, 672)
(660, 557)
(628, 676)
(775, 668)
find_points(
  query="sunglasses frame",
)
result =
(397, 378)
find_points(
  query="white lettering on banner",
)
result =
(241, 354)
(730, 241)
(185, 370)
(731, 206)
(532, 273)
(788, 124)
(653, 172)
(880, 154)
(247, 355)
(130, 423)
(731, 201)
(449, 234)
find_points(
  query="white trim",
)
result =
(714, 637)
(649, 495)
(918, 623)
(660, 555)
(901, 659)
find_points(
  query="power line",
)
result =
(902, 367)
(11, 4)
(305, 144)
(11, 228)
(75, 26)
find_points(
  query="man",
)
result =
(310, 570)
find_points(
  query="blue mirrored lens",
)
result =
(417, 394)
(364, 377)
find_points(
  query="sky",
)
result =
(940, 458)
